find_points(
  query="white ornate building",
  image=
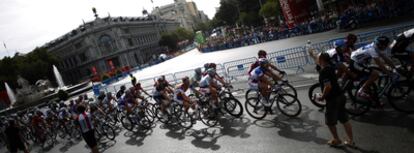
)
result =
(108, 42)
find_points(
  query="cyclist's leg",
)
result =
(264, 87)
(373, 76)
(214, 95)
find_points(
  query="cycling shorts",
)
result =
(253, 84)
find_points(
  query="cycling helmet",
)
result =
(263, 61)
(206, 66)
(382, 41)
(351, 37)
(197, 71)
(123, 87)
(339, 43)
(261, 53)
(212, 65)
(185, 79)
(211, 72)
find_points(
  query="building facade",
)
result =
(186, 13)
(108, 43)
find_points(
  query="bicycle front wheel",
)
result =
(314, 89)
(108, 131)
(255, 108)
(401, 98)
(288, 105)
(233, 107)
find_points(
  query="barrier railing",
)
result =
(238, 67)
(293, 58)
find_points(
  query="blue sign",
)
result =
(281, 59)
(240, 67)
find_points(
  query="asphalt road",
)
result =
(377, 132)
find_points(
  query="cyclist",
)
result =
(361, 59)
(107, 102)
(180, 96)
(263, 54)
(258, 80)
(403, 48)
(208, 85)
(194, 81)
(138, 90)
(120, 92)
(39, 125)
(162, 92)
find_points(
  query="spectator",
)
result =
(133, 79)
(14, 138)
(335, 102)
(88, 132)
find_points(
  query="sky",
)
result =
(26, 24)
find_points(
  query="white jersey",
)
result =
(256, 73)
(331, 52)
(409, 33)
(364, 54)
(205, 81)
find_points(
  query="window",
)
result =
(83, 57)
(106, 43)
(78, 45)
(130, 42)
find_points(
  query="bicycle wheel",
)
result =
(233, 107)
(252, 93)
(288, 88)
(255, 108)
(111, 119)
(108, 131)
(160, 115)
(314, 89)
(401, 98)
(207, 116)
(358, 106)
(289, 105)
(127, 123)
(185, 119)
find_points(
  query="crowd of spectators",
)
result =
(360, 12)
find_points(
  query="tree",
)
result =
(184, 34)
(228, 12)
(32, 66)
(170, 40)
(270, 9)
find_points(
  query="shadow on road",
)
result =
(388, 118)
(137, 137)
(206, 138)
(300, 129)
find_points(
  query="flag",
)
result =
(4, 44)
(152, 1)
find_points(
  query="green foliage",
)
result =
(32, 66)
(63, 95)
(270, 9)
(184, 34)
(172, 38)
(228, 12)
(245, 12)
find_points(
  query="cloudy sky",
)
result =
(25, 24)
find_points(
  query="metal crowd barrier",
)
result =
(239, 67)
(291, 58)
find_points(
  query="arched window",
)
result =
(106, 43)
